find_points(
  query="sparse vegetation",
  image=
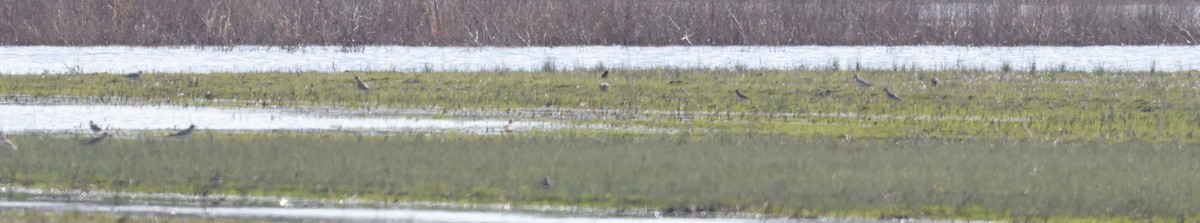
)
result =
(599, 22)
(1046, 106)
(689, 172)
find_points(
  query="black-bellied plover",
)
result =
(604, 75)
(215, 180)
(99, 140)
(740, 96)
(95, 128)
(861, 83)
(134, 76)
(7, 143)
(547, 183)
(362, 86)
(184, 133)
(604, 87)
(890, 95)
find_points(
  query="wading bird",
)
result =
(890, 95)
(7, 143)
(741, 96)
(604, 87)
(362, 86)
(95, 128)
(134, 76)
(183, 134)
(99, 140)
(604, 75)
(215, 180)
(933, 81)
(861, 83)
(547, 183)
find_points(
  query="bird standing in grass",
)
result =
(215, 180)
(740, 96)
(99, 140)
(604, 75)
(362, 86)
(134, 76)
(547, 183)
(183, 134)
(861, 83)
(7, 143)
(95, 128)
(933, 81)
(890, 95)
(604, 87)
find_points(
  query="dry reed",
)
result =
(598, 22)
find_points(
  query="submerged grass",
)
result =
(974, 105)
(681, 173)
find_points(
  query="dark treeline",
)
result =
(599, 22)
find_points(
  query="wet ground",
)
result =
(285, 209)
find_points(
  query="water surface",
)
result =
(56, 118)
(121, 59)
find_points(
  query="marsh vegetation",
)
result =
(686, 174)
(1041, 106)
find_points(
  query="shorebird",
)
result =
(184, 133)
(890, 95)
(215, 180)
(134, 76)
(509, 127)
(95, 128)
(933, 81)
(362, 86)
(741, 96)
(861, 83)
(7, 143)
(604, 75)
(99, 140)
(604, 87)
(547, 183)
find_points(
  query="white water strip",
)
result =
(343, 214)
(122, 59)
(18, 118)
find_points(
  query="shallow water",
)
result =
(298, 209)
(340, 214)
(57, 118)
(120, 59)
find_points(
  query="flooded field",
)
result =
(53, 59)
(1049, 134)
(181, 206)
(283, 214)
(64, 118)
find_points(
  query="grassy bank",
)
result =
(781, 175)
(966, 105)
(601, 22)
(23, 216)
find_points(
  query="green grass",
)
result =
(1014, 146)
(798, 176)
(970, 105)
